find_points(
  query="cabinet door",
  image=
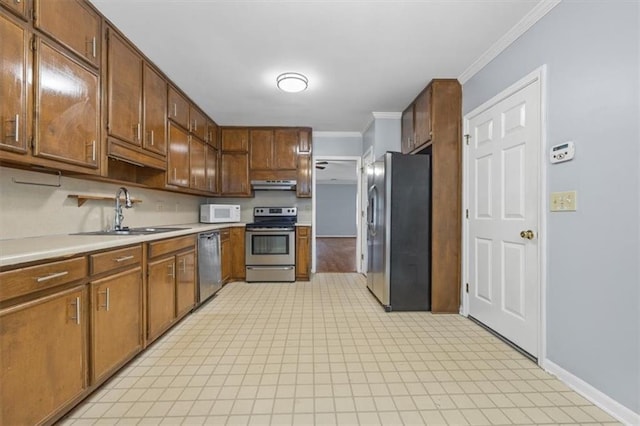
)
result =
(67, 94)
(160, 296)
(17, 6)
(422, 122)
(116, 321)
(211, 168)
(304, 141)
(408, 136)
(303, 252)
(178, 108)
(212, 134)
(43, 346)
(197, 122)
(154, 99)
(124, 91)
(234, 169)
(285, 149)
(197, 164)
(73, 23)
(235, 139)
(185, 282)
(261, 149)
(238, 270)
(178, 160)
(226, 255)
(303, 185)
(14, 68)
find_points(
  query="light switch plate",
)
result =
(564, 201)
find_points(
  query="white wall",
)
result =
(29, 210)
(336, 210)
(593, 280)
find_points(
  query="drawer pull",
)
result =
(122, 259)
(17, 133)
(107, 294)
(52, 276)
(172, 274)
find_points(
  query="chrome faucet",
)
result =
(117, 223)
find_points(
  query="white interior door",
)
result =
(503, 171)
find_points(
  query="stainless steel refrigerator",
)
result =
(399, 233)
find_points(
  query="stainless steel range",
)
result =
(271, 245)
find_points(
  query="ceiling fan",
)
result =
(321, 165)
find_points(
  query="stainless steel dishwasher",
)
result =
(209, 273)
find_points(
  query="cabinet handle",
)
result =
(175, 109)
(122, 259)
(51, 276)
(172, 274)
(18, 1)
(107, 297)
(93, 46)
(195, 125)
(17, 132)
(93, 150)
(77, 317)
(152, 138)
(175, 176)
(138, 137)
(183, 265)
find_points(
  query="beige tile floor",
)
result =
(325, 352)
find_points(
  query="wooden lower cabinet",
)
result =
(185, 283)
(160, 296)
(226, 255)
(238, 268)
(116, 321)
(303, 253)
(44, 367)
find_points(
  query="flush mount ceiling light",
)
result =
(292, 82)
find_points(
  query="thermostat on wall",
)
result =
(562, 152)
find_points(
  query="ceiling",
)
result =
(360, 56)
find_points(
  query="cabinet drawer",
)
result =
(27, 280)
(225, 234)
(159, 248)
(103, 262)
(303, 230)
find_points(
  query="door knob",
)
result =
(528, 234)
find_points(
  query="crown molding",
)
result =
(337, 135)
(534, 15)
(387, 115)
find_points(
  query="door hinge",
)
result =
(466, 213)
(33, 44)
(466, 138)
(466, 288)
(361, 256)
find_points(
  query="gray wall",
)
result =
(336, 210)
(593, 280)
(332, 143)
(383, 134)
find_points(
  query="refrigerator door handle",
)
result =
(372, 216)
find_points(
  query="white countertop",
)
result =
(22, 250)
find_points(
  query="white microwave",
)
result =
(219, 213)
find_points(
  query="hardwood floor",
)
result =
(335, 254)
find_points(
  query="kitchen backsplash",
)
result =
(31, 210)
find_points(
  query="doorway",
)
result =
(335, 236)
(503, 233)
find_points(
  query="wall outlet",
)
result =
(564, 201)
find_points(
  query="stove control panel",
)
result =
(275, 211)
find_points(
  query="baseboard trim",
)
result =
(614, 408)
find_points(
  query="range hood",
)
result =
(273, 185)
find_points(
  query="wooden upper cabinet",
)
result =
(211, 169)
(124, 90)
(178, 158)
(197, 123)
(422, 116)
(178, 108)
(235, 139)
(67, 126)
(197, 165)
(261, 152)
(234, 174)
(408, 136)
(73, 23)
(17, 6)
(212, 134)
(285, 149)
(14, 85)
(154, 100)
(303, 177)
(304, 141)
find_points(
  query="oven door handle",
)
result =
(270, 230)
(276, 268)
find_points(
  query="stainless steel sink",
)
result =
(132, 231)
